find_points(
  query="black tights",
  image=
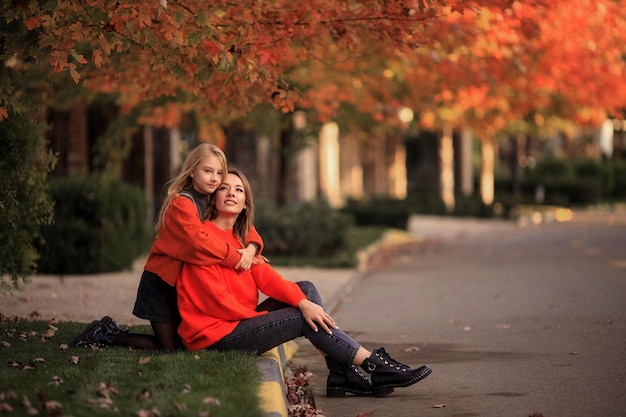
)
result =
(165, 338)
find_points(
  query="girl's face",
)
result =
(208, 175)
(230, 197)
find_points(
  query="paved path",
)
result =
(513, 321)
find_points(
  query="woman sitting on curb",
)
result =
(220, 311)
(181, 237)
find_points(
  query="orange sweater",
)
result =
(212, 300)
(184, 238)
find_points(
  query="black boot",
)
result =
(346, 378)
(387, 372)
(99, 333)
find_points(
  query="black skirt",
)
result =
(156, 300)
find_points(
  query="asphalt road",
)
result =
(513, 321)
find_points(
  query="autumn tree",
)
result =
(222, 57)
(501, 70)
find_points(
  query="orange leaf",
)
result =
(74, 74)
(32, 23)
(3, 113)
(267, 56)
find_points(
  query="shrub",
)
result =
(24, 202)
(596, 171)
(308, 230)
(99, 226)
(379, 211)
(618, 169)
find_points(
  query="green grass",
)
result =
(358, 238)
(38, 371)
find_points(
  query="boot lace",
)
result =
(389, 361)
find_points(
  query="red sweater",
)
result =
(183, 238)
(212, 300)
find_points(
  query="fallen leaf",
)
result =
(143, 395)
(411, 349)
(51, 405)
(149, 412)
(211, 400)
(28, 368)
(365, 414)
(73, 359)
(144, 360)
(64, 346)
(56, 381)
(439, 406)
(5, 344)
(106, 389)
(39, 360)
(467, 328)
(6, 407)
(504, 326)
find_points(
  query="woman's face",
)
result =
(230, 196)
(208, 175)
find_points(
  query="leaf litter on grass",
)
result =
(95, 381)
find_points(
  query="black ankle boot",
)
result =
(387, 372)
(346, 378)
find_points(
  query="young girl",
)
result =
(181, 237)
(219, 308)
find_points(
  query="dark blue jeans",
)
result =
(284, 323)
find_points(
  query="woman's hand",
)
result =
(247, 257)
(314, 313)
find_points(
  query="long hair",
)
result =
(245, 219)
(183, 180)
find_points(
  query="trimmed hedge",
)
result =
(307, 230)
(100, 225)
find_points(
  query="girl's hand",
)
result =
(315, 315)
(247, 257)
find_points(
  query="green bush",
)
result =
(579, 182)
(24, 202)
(550, 168)
(618, 170)
(99, 226)
(597, 171)
(307, 230)
(471, 206)
(379, 211)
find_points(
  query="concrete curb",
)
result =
(272, 391)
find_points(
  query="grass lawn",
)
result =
(41, 376)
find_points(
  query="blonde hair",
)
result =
(183, 180)
(245, 219)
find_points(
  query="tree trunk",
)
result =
(446, 168)
(466, 172)
(329, 164)
(284, 166)
(514, 156)
(487, 172)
